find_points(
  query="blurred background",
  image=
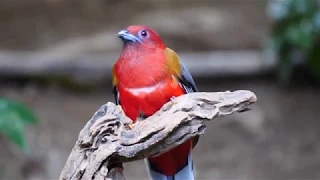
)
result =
(55, 67)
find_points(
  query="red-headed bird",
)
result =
(145, 77)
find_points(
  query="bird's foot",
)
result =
(131, 126)
(142, 123)
(120, 108)
(173, 101)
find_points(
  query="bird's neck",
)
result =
(138, 67)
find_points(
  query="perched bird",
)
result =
(145, 77)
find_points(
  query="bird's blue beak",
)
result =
(126, 36)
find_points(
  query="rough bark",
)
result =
(109, 138)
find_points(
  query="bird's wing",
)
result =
(179, 70)
(115, 89)
(116, 95)
(187, 83)
(184, 76)
(186, 80)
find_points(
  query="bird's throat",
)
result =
(136, 69)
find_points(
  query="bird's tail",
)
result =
(175, 164)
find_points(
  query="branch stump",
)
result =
(109, 138)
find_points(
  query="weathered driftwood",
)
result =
(110, 138)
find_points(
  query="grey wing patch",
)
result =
(116, 95)
(186, 80)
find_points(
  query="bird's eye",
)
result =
(144, 33)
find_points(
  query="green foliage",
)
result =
(296, 26)
(13, 117)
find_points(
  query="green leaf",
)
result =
(285, 68)
(25, 114)
(300, 35)
(12, 126)
(13, 117)
(316, 22)
(296, 26)
(314, 62)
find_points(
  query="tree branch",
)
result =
(110, 138)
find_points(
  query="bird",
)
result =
(147, 75)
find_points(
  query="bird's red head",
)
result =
(141, 36)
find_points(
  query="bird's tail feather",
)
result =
(185, 173)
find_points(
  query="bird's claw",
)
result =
(131, 126)
(142, 123)
(172, 99)
(120, 108)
